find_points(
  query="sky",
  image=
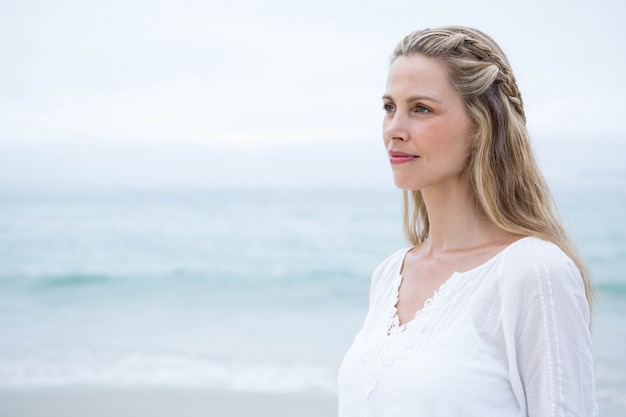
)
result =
(278, 93)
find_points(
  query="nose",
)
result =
(394, 127)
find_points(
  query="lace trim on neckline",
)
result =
(395, 327)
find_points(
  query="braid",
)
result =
(485, 60)
(505, 80)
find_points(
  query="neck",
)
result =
(455, 221)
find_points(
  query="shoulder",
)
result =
(386, 271)
(533, 268)
(531, 253)
(392, 264)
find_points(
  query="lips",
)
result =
(397, 157)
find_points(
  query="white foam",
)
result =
(140, 370)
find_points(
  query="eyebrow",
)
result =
(413, 98)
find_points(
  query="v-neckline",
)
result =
(395, 319)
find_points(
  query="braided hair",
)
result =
(504, 178)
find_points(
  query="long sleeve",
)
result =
(545, 321)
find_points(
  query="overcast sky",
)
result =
(277, 92)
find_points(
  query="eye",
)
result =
(421, 109)
(388, 108)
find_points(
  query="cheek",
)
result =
(454, 143)
(453, 133)
(437, 136)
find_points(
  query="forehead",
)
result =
(413, 74)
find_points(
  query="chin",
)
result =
(406, 185)
(404, 181)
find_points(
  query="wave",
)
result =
(142, 370)
(37, 283)
(73, 280)
(298, 284)
(613, 288)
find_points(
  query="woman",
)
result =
(488, 312)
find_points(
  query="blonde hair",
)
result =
(504, 177)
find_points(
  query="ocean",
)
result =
(244, 290)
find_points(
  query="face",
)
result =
(426, 128)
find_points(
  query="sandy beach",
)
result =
(160, 402)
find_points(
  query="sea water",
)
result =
(258, 290)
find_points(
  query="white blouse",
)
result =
(507, 338)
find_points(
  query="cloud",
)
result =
(248, 75)
(248, 79)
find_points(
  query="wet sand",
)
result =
(160, 402)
